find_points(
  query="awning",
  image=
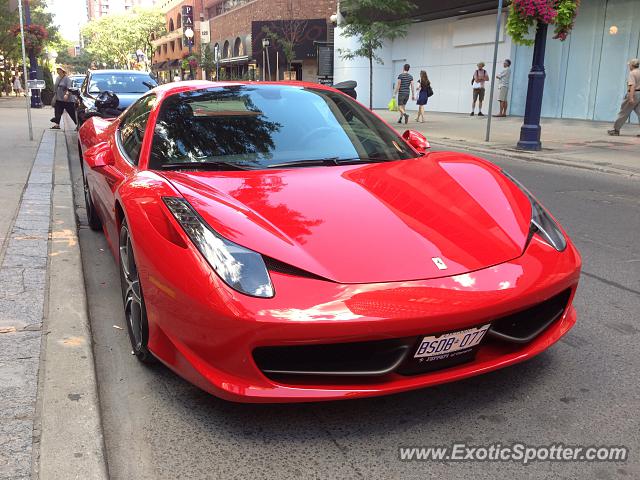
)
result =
(174, 64)
(234, 60)
(159, 66)
(436, 9)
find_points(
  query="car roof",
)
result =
(126, 72)
(190, 85)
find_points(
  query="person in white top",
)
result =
(503, 87)
(177, 78)
(17, 86)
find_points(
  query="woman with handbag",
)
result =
(423, 95)
(63, 100)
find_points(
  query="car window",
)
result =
(132, 127)
(121, 83)
(255, 126)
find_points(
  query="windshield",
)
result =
(256, 126)
(76, 81)
(121, 83)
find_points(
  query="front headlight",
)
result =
(240, 268)
(541, 221)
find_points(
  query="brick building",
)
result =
(100, 8)
(172, 48)
(237, 31)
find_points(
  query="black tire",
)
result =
(80, 157)
(92, 216)
(135, 311)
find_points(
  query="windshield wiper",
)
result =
(202, 166)
(328, 162)
(148, 85)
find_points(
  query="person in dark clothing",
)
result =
(404, 85)
(423, 95)
(64, 101)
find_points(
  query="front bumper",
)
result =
(210, 338)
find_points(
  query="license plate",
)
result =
(448, 345)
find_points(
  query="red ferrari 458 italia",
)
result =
(279, 242)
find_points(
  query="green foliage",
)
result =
(207, 61)
(112, 39)
(373, 22)
(10, 43)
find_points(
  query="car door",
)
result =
(126, 143)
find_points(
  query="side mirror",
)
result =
(99, 156)
(417, 141)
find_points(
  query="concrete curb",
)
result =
(71, 444)
(531, 157)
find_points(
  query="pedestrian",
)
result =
(17, 86)
(64, 101)
(404, 85)
(423, 95)
(503, 87)
(631, 100)
(477, 82)
(177, 78)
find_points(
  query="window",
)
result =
(171, 27)
(179, 21)
(134, 82)
(258, 126)
(132, 127)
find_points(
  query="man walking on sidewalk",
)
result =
(403, 86)
(631, 101)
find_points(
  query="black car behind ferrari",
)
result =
(128, 85)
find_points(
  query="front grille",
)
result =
(525, 325)
(371, 359)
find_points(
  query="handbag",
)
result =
(393, 105)
(429, 91)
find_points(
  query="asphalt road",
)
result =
(583, 391)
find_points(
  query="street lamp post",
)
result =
(530, 130)
(265, 53)
(36, 101)
(189, 34)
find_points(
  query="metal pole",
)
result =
(530, 130)
(36, 101)
(268, 63)
(495, 60)
(264, 73)
(277, 65)
(190, 67)
(24, 70)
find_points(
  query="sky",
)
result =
(68, 15)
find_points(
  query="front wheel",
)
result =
(134, 309)
(92, 215)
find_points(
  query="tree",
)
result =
(113, 39)
(207, 62)
(373, 22)
(289, 34)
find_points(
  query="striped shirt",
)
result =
(405, 82)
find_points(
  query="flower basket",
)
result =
(524, 14)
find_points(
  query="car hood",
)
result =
(369, 223)
(126, 99)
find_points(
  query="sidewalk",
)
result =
(578, 143)
(49, 416)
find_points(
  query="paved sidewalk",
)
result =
(49, 417)
(583, 144)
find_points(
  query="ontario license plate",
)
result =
(449, 345)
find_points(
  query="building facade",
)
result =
(171, 50)
(238, 28)
(586, 74)
(100, 8)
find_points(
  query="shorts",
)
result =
(478, 94)
(403, 98)
(503, 92)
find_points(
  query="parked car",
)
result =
(128, 85)
(281, 242)
(76, 80)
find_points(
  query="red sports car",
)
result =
(279, 242)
